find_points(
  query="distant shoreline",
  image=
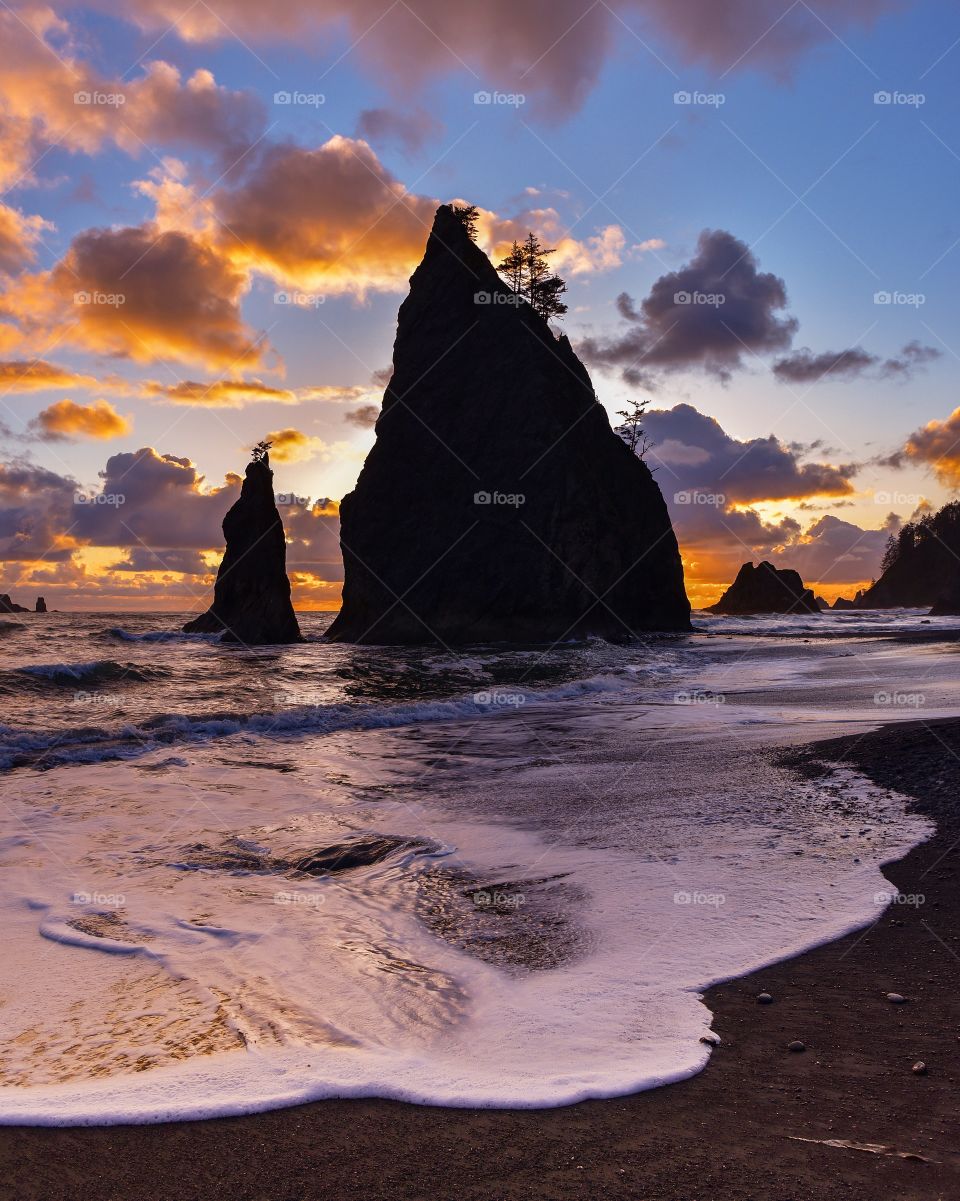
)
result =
(758, 1120)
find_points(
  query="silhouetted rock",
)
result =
(948, 603)
(842, 603)
(924, 566)
(497, 503)
(821, 603)
(41, 605)
(7, 605)
(764, 589)
(251, 598)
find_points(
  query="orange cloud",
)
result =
(221, 393)
(19, 235)
(936, 445)
(22, 375)
(66, 419)
(294, 446)
(144, 294)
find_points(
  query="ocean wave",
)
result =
(119, 634)
(89, 744)
(96, 671)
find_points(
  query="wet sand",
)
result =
(847, 1118)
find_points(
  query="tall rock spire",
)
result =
(497, 503)
(251, 598)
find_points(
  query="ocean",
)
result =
(234, 880)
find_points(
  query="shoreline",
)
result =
(757, 1121)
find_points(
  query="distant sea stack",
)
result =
(764, 589)
(921, 566)
(7, 605)
(251, 598)
(842, 603)
(41, 605)
(497, 504)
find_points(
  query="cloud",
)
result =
(145, 294)
(181, 562)
(24, 375)
(294, 446)
(221, 393)
(806, 367)
(707, 315)
(331, 220)
(694, 451)
(937, 446)
(555, 52)
(410, 130)
(19, 235)
(364, 418)
(602, 251)
(66, 420)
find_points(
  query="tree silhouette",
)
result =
(260, 451)
(467, 215)
(527, 271)
(631, 431)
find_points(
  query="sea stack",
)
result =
(7, 605)
(497, 504)
(41, 605)
(251, 598)
(764, 589)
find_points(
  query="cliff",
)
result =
(251, 597)
(497, 503)
(764, 589)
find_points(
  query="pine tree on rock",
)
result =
(527, 271)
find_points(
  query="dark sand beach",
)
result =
(847, 1118)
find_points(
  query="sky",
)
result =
(209, 213)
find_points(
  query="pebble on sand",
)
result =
(896, 998)
(764, 998)
(796, 1045)
(919, 1068)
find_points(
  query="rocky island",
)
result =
(765, 589)
(251, 597)
(497, 504)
